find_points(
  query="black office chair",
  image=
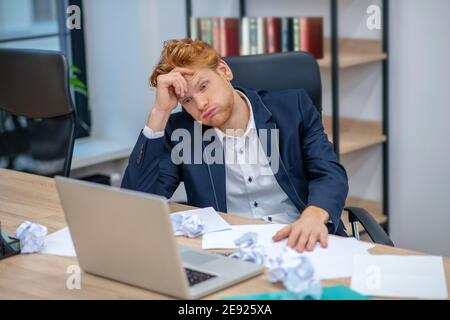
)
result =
(294, 70)
(37, 117)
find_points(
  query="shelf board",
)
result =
(374, 207)
(355, 134)
(354, 52)
(349, 59)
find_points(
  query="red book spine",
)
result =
(273, 25)
(311, 39)
(216, 35)
(229, 29)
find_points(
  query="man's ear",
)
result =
(225, 70)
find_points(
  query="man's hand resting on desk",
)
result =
(306, 231)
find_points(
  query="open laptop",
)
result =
(127, 236)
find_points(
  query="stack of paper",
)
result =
(335, 261)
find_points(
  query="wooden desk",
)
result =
(29, 197)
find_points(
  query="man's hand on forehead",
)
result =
(190, 77)
(176, 79)
(187, 73)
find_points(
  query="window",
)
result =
(41, 24)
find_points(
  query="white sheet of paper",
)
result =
(400, 276)
(335, 261)
(59, 243)
(213, 222)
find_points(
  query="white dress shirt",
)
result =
(252, 190)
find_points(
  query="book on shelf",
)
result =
(259, 35)
(244, 35)
(296, 33)
(287, 34)
(206, 32)
(274, 34)
(311, 36)
(216, 35)
(249, 34)
(229, 37)
(253, 36)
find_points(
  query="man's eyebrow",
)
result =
(199, 80)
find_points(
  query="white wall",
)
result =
(123, 43)
(419, 124)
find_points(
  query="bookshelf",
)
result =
(354, 52)
(351, 134)
(355, 134)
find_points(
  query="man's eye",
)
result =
(187, 101)
(203, 86)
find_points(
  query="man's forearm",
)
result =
(157, 120)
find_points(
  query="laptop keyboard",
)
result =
(195, 277)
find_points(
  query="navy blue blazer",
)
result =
(309, 171)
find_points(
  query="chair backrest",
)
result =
(278, 71)
(37, 117)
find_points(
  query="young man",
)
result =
(297, 180)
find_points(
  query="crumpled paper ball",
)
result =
(248, 249)
(292, 269)
(189, 225)
(32, 237)
(296, 273)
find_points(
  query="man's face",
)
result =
(210, 96)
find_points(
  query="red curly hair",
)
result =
(182, 53)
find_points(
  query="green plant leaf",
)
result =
(78, 87)
(74, 69)
(80, 90)
(76, 83)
